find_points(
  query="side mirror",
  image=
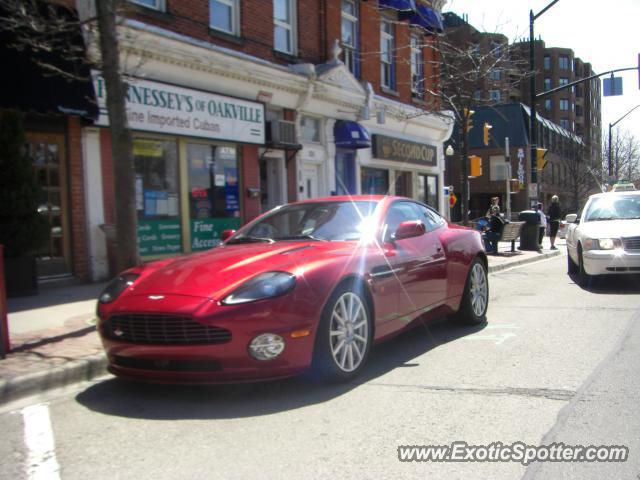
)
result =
(410, 229)
(571, 218)
(226, 234)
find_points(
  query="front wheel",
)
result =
(344, 335)
(583, 277)
(571, 265)
(475, 299)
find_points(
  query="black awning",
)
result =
(26, 86)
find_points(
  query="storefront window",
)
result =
(403, 184)
(375, 181)
(428, 190)
(157, 199)
(214, 202)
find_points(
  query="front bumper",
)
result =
(617, 261)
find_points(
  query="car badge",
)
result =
(156, 297)
(118, 332)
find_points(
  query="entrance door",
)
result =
(49, 166)
(272, 183)
(310, 181)
(345, 172)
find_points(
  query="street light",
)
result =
(611, 125)
(533, 126)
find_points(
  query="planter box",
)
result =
(20, 276)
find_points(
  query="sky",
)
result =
(604, 34)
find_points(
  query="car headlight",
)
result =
(601, 243)
(265, 285)
(117, 286)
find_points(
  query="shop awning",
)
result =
(27, 87)
(425, 18)
(400, 5)
(351, 135)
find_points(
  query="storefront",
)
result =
(187, 147)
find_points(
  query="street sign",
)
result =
(452, 200)
(611, 86)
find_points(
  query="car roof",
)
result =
(350, 198)
(617, 194)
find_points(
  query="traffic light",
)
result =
(540, 161)
(467, 118)
(485, 133)
(476, 166)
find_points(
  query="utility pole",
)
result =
(507, 158)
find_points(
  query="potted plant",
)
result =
(22, 228)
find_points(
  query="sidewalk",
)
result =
(54, 342)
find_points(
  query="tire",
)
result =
(571, 265)
(475, 299)
(345, 334)
(583, 277)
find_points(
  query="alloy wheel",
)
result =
(349, 332)
(479, 290)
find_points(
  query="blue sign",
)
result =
(611, 86)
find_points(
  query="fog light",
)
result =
(266, 346)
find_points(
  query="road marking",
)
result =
(497, 339)
(38, 437)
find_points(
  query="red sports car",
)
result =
(309, 284)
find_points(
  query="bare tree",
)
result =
(625, 156)
(40, 26)
(580, 180)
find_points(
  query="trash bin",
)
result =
(530, 229)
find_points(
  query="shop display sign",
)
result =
(159, 237)
(206, 232)
(158, 107)
(389, 148)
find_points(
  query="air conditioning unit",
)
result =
(282, 132)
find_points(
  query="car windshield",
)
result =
(613, 207)
(320, 221)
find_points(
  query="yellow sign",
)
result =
(147, 148)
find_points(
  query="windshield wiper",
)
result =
(303, 237)
(250, 240)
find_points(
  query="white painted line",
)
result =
(38, 437)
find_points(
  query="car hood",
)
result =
(611, 229)
(215, 273)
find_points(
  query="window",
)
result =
(495, 74)
(563, 81)
(310, 129)
(477, 95)
(497, 168)
(547, 62)
(547, 83)
(564, 123)
(224, 15)
(548, 104)
(350, 36)
(475, 50)
(284, 26)
(563, 62)
(387, 47)
(374, 181)
(494, 95)
(428, 190)
(579, 111)
(155, 4)
(496, 49)
(417, 67)
(564, 104)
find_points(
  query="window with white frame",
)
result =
(350, 35)
(417, 66)
(284, 27)
(155, 4)
(310, 129)
(387, 47)
(564, 104)
(224, 16)
(494, 95)
(563, 62)
(495, 74)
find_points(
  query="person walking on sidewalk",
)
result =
(542, 225)
(554, 220)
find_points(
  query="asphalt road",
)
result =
(555, 363)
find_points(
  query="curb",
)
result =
(75, 371)
(524, 261)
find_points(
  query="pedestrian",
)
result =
(554, 220)
(542, 225)
(495, 202)
(493, 230)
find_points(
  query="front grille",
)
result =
(162, 330)
(167, 365)
(631, 243)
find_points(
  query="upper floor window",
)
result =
(477, 95)
(494, 95)
(155, 4)
(563, 81)
(310, 129)
(547, 83)
(224, 15)
(387, 48)
(563, 62)
(564, 123)
(547, 62)
(284, 32)
(350, 35)
(548, 104)
(564, 104)
(417, 67)
(496, 49)
(495, 74)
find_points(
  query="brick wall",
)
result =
(250, 170)
(77, 199)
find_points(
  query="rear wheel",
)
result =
(344, 335)
(475, 299)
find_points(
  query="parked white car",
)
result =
(606, 237)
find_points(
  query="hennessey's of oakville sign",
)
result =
(389, 148)
(162, 108)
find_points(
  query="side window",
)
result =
(430, 218)
(398, 212)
